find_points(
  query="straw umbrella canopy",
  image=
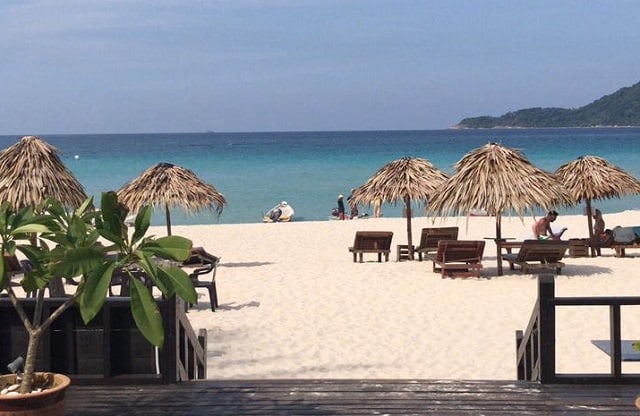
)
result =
(497, 179)
(170, 186)
(591, 178)
(31, 171)
(407, 179)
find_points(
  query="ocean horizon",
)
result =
(308, 169)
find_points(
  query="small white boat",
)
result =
(478, 212)
(283, 212)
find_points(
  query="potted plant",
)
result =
(88, 245)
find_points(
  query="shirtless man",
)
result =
(542, 227)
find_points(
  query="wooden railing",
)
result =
(110, 349)
(184, 352)
(536, 347)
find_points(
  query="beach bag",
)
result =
(624, 235)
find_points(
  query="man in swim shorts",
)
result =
(542, 228)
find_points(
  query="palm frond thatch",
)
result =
(413, 178)
(497, 179)
(590, 178)
(31, 171)
(407, 179)
(170, 186)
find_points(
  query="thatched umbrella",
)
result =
(31, 171)
(403, 180)
(593, 178)
(497, 179)
(169, 185)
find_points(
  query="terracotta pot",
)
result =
(45, 403)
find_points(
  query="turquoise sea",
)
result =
(309, 169)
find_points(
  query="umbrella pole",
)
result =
(590, 225)
(407, 203)
(168, 216)
(499, 242)
(590, 219)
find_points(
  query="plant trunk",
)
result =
(30, 361)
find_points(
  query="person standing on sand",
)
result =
(599, 234)
(542, 228)
(352, 205)
(340, 207)
(377, 208)
(598, 225)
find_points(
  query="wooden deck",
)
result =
(352, 397)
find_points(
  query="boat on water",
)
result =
(478, 212)
(283, 212)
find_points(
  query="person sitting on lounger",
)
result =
(542, 228)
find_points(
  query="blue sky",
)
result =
(125, 66)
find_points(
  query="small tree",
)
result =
(68, 246)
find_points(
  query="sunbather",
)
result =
(542, 228)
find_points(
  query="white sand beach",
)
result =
(293, 304)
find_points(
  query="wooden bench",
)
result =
(378, 242)
(620, 249)
(459, 258)
(430, 237)
(539, 255)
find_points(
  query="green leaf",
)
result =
(82, 209)
(113, 215)
(172, 247)
(146, 313)
(143, 220)
(95, 291)
(108, 235)
(31, 228)
(163, 281)
(74, 262)
(182, 284)
(55, 207)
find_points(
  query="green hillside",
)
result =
(622, 108)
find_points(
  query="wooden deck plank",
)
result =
(352, 397)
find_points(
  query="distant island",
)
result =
(620, 109)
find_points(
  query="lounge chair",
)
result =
(378, 242)
(539, 255)
(458, 258)
(206, 263)
(430, 237)
(621, 239)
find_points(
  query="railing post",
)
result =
(547, 327)
(202, 364)
(615, 334)
(168, 362)
(519, 363)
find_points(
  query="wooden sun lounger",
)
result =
(538, 254)
(459, 258)
(621, 245)
(620, 248)
(378, 242)
(430, 237)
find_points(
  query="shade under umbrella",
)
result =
(497, 179)
(31, 171)
(407, 179)
(591, 178)
(169, 186)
